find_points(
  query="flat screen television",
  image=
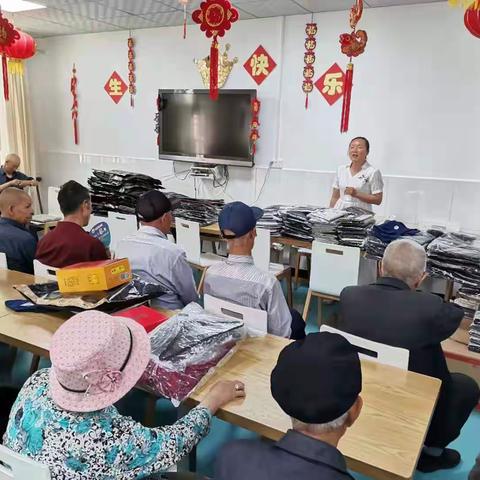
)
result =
(194, 128)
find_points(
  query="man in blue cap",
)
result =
(238, 280)
(317, 383)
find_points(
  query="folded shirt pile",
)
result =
(118, 191)
(296, 223)
(456, 256)
(474, 343)
(324, 223)
(272, 219)
(204, 212)
(469, 301)
(354, 227)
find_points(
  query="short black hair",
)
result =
(367, 143)
(71, 196)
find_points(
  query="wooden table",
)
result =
(459, 351)
(386, 441)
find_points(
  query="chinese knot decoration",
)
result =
(215, 17)
(352, 45)
(73, 90)
(309, 58)
(472, 21)
(8, 36)
(132, 89)
(468, 4)
(254, 126)
(184, 3)
(23, 48)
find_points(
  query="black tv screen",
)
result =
(195, 128)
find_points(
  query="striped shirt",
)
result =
(239, 281)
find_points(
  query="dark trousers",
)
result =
(8, 395)
(457, 399)
(298, 326)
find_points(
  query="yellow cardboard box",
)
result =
(94, 276)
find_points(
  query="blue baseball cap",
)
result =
(238, 218)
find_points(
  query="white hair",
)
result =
(320, 428)
(405, 260)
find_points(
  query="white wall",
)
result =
(415, 97)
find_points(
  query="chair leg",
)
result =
(289, 288)
(297, 268)
(319, 311)
(307, 305)
(202, 281)
(34, 364)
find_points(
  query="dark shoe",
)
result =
(448, 459)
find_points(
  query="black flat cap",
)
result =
(152, 205)
(318, 379)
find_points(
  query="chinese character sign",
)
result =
(115, 87)
(260, 65)
(331, 84)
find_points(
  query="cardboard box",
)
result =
(94, 276)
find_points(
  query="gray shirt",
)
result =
(157, 260)
(239, 281)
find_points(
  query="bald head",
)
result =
(12, 162)
(405, 260)
(16, 205)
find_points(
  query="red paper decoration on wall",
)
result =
(132, 89)
(472, 20)
(184, 3)
(73, 90)
(8, 35)
(254, 126)
(352, 45)
(331, 84)
(115, 87)
(309, 59)
(260, 65)
(215, 17)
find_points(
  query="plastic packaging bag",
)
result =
(186, 348)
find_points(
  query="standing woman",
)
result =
(357, 184)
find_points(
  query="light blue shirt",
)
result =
(238, 280)
(157, 260)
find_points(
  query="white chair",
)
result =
(334, 267)
(52, 202)
(14, 466)
(188, 237)
(374, 351)
(3, 260)
(121, 226)
(255, 320)
(261, 257)
(45, 271)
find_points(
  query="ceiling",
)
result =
(66, 17)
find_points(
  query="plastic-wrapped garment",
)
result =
(205, 212)
(375, 247)
(133, 293)
(185, 348)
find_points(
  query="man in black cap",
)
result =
(238, 280)
(155, 258)
(317, 382)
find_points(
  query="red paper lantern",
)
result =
(23, 48)
(472, 21)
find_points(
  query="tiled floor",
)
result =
(222, 432)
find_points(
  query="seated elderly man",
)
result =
(155, 258)
(69, 243)
(317, 382)
(238, 280)
(11, 177)
(16, 240)
(391, 311)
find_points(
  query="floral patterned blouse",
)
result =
(102, 445)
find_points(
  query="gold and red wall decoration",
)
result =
(132, 89)
(255, 125)
(309, 59)
(73, 90)
(115, 87)
(331, 84)
(260, 65)
(8, 36)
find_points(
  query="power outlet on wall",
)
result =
(277, 163)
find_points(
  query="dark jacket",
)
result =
(18, 244)
(475, 473)
(389, 312)
(16, 176)
(295, 456)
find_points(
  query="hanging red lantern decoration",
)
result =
(215, 17)
(184, 3)
(309, 59)
(25, 47)
(73, 91)
(472, 21)
(8, 35)
(132, 89)
(352, 45)
(468, 4)
(254, 125)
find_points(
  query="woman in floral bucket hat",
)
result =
(64, 416)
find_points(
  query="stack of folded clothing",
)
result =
(272, 220)
(354, 227)
(118, 191)
(296, 223)
(456, 256)
(474, 343)
(204, 212)
(469, 301)
(324, 223)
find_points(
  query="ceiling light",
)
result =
(19, 5)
